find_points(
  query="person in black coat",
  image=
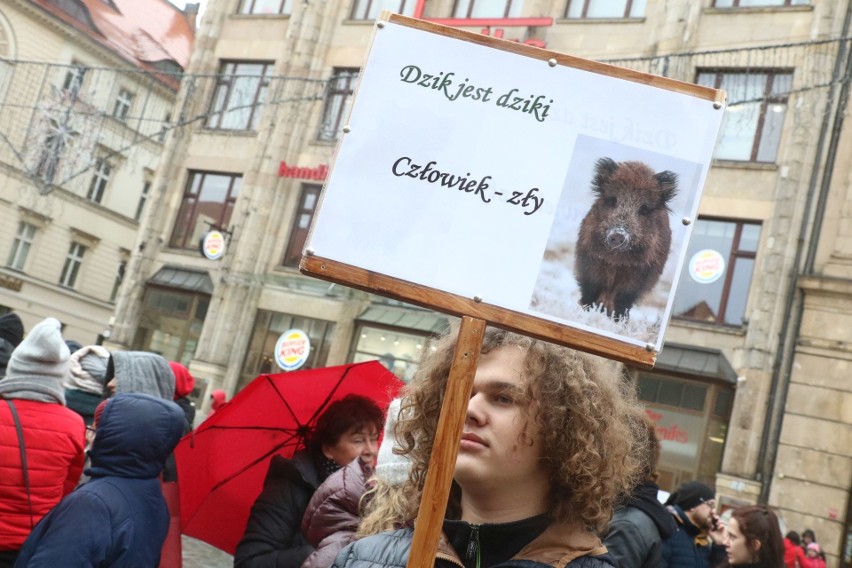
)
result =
(697, 542)
(11, 335)
(347, 430)
(637, 530)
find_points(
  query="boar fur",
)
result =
(625, 238)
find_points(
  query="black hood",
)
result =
(644, 498)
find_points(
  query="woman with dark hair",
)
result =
(754, 538)
(348, 429)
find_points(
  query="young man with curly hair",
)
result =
(549, 443)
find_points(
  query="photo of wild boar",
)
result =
(625, 238)
(618, 239)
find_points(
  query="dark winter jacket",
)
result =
(637, 531)
(688, 547)
(119, 518)
(273, 537)
(54, 438)
(558, 545)
(332, 518)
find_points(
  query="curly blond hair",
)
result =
(589, 420)
(383, 507)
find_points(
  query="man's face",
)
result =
(703, 516)
(501, 446)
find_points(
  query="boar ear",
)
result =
(668, 184)
(604, 168)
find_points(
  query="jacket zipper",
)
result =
(473, 544)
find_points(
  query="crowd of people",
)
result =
(556, 467)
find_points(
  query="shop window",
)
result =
(208, 201)
(171, 323)
(757, 105)
(716, 276)
(100, 180)
(605, 9)
(266, 7)
(399, 351)
(370, 9)
(301, 223)
(751, 3)
(268, 327)
(338, 100)
(123, 101)
(73, 262)
(487, 8)
(21, 246)
(239, 96)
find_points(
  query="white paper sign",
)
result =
(469, 169)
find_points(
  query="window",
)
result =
(240, 93)
(21, 247)
(757, 105)
(167, 125)
(338, 101)
(370, 9)
(122, 104)
(301, 224)
(143, 199)
(268, 327)
(717, 275)
(119, 278)
(399, 351)
(51, 153)
(261, 7)
(100, 180)
(74, 79)
(171, 322)
(487, 8)
(750, 3)
(606, 8)
(208, 201)
(72, 265)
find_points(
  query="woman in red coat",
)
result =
(54, 436)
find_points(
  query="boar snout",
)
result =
(618, 238)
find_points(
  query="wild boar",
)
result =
(624, 239)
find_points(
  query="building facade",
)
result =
(86, 92)
(749, 392)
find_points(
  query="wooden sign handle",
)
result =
(445, 449)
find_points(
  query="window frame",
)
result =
(361, 9)
(178, 241)
(75, 74)
(285, 8)
(21, 246)
(143, 199)
(733, 255)
(72, 265)
(765, 100)
(298, 235)
(228, 80)
(123, 103)
(785, 4)
(507, 9)
(628, 6)
(346, 95)
(101, 176)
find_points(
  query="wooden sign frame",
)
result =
(475, 314)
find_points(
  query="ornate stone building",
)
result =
(749, 392)
(87, 89)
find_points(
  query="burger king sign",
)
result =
(292, 349)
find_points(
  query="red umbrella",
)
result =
(222, 465)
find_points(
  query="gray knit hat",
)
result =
(39, 365)
(392, 467)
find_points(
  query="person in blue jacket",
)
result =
(119, 518)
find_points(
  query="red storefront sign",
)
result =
(318, 173)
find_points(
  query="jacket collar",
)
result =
(558, 545)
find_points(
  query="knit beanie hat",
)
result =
(39, 365)
(691, 494)
(11, 329)
(391, 467)
(88, 367)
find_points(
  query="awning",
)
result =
(408, 318)
(695, 361)
(183, 279)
